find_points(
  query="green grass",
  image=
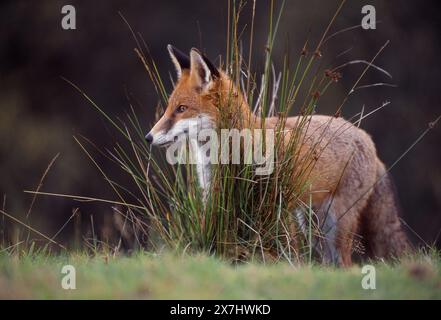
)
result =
(167, 276)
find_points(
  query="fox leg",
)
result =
(346, 231)
(330, 254)
(337, 232)
(326, 243)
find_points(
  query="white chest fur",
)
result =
(203, 166)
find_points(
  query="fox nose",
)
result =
(149, 137)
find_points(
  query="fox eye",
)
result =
(181, 108)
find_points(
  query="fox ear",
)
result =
(202, 71)
(180, 59)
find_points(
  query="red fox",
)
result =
(350, 188)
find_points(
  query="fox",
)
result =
(351, 191)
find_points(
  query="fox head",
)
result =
(191, 105)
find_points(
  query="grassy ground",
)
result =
(168, 276)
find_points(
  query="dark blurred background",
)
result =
(40, 113)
